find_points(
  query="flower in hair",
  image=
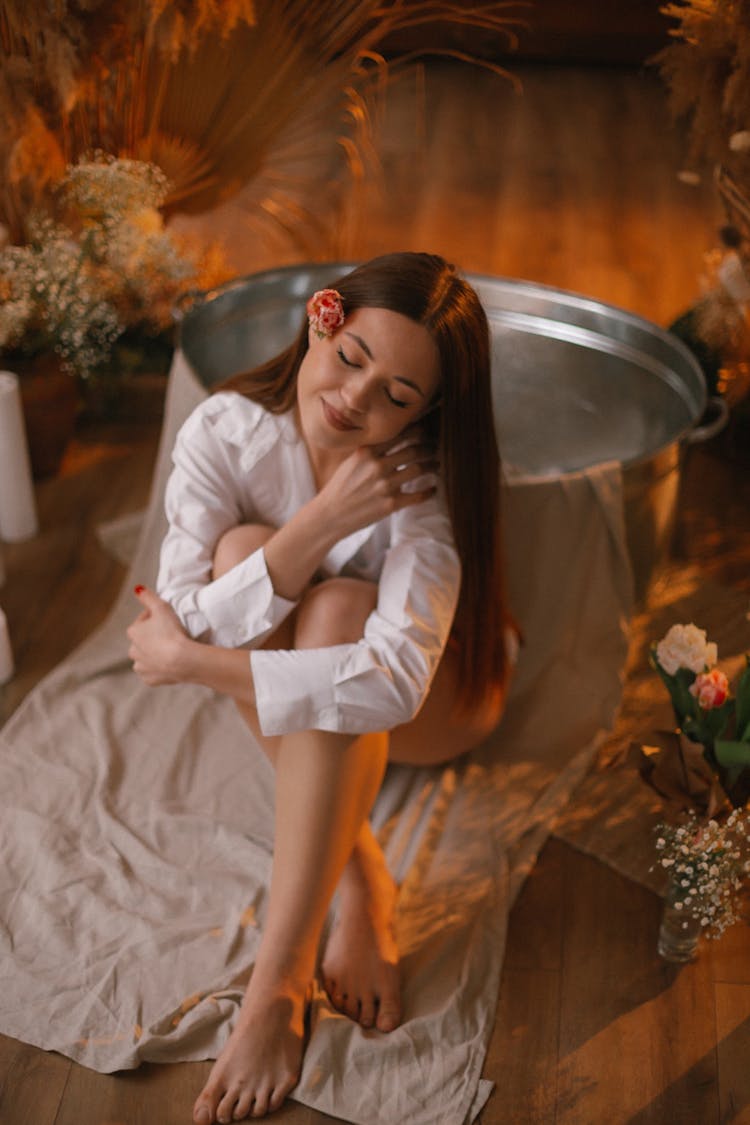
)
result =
(325, 312)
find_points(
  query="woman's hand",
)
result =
(157, 641)
(369, 484)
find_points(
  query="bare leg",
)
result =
(325, 786)
(360, 965)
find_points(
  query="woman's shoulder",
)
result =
(230, 418)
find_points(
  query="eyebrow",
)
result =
(399, 378)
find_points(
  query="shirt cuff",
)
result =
(239, 608)
(295, 689)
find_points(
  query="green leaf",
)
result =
(732, 756)
(716, 720)
(742, 695)
(683, 703)
(732, 753)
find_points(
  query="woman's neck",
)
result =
(323, 462)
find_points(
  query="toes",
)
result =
(226, 1107)
(202, 1115)
(243, 1106)
(203, 1110)
(260, 1105)
(351, 1007)
(338, 999)
(367, 1011)
(389, 1015)
(278, 1097)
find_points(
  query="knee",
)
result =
(236, 544)
(334, 612)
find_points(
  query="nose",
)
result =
(355, 392)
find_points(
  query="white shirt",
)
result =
(234, 462)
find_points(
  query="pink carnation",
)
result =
(710, 689)
(325, 312)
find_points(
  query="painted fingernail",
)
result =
(139, 589)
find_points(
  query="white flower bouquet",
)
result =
(705, 709)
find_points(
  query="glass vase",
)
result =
(680, 931)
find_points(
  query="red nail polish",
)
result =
(139, 589)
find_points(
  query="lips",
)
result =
(336, 420)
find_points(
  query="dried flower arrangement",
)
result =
(100, 265)
(707, 70)
(219, 94)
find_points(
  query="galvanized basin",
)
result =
(576, 383)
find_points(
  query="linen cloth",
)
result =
(234, 462)
(136, 832)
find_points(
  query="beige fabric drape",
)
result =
(136, 832)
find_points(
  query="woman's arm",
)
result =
(365, 488)
(380, 681)
(163, 653)
(227, 448)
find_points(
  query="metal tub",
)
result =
(576, 383)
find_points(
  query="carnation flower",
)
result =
(325, 312)
(686, 646)
(710, 689)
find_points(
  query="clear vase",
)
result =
(679, 932)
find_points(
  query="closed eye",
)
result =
(350, 363)
(396, 401)
(343, 358)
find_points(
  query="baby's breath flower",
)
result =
(78, 284)
(708, 882)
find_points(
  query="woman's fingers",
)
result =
(154, 638)
(408, 455)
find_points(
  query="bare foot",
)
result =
(260, 1063)
(360, 965)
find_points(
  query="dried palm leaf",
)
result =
(222, 94)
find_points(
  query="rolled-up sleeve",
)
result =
(382, 680)
(202, 502)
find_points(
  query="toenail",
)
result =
(203, 1116)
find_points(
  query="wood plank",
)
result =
(135, 1097)
(522, 1055)
(733, 1027)
(730, 955)
(535, 927)
(32, 1083)
(637, 1036)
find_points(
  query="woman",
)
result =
(336, 512)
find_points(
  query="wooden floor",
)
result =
(571, 183)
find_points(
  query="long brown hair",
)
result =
(428, 290)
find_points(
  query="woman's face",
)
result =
(363, 385)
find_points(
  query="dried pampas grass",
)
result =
(273, 99)
(707, 70)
